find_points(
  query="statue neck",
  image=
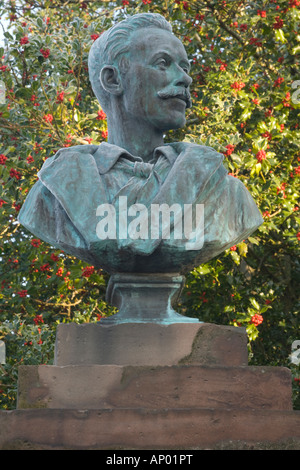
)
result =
(136, 137)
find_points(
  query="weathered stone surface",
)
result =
(150, 344)
(198, 400)
(109, 387)
(2, 353)
(145, 429)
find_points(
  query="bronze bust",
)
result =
(129, 205)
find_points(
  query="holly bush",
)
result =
(246, 101)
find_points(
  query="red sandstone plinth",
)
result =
(184, 386)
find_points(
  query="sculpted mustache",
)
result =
(175, 93)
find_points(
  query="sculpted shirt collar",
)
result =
(107, 156)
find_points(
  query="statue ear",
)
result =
(110, 80)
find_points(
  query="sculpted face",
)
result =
(156, 85)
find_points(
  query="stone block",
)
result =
(116, 429)
(149, 386)
(150, 344)
(109, 387)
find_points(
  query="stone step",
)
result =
(149, 387)
(140, 344)
(194, 428)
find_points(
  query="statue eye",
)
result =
(162, 63)
(185, 68)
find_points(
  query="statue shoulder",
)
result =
(85, 149)
(197, 149)
(66, 153)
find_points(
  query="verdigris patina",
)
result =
(134, 204)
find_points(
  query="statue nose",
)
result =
(182, 78)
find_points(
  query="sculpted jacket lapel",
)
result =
(190, 177)
(73, 178)
(195, 172)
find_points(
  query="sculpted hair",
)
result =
(114, 43)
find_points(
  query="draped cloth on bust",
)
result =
(61, 207)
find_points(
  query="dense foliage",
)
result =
(246, 94)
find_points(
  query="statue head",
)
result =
(121, 62)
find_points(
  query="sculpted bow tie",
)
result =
(145, 180)
(142, 169)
